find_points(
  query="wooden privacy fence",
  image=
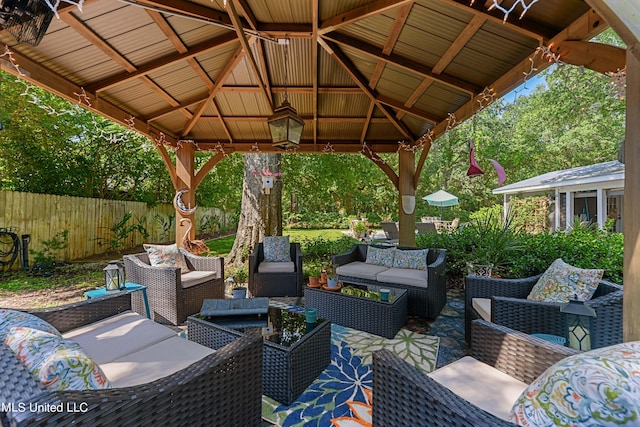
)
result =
(90, 221)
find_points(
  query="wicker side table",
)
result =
(365, 314)
(288, 367)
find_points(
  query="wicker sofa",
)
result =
(173, 295)
(427, 290)
(221, 387)
(506, 304)
(403, 396)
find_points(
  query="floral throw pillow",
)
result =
(59, 363)
(166, 256)
(380, 256)
(597, 388)
(412, 259)
(13, 318)
(277, 248)
(562, 282)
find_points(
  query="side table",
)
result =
(128, 287)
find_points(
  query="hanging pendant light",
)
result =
(285, 125)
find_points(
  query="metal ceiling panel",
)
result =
(333, 131)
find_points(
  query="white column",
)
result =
(557, 210)
(601, 202)
(569, 211)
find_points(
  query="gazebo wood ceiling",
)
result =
(374, 72)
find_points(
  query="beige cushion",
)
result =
(117, 336)
(196, 277)
(154, 362)
(360, 269)
(276, 267)
(483, 307)
(404, 276)
(484, 386)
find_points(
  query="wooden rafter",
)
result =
(401, 62)
(599, 57)
(264, 71)
(357, 14)
(162, 62)
(368, 121)
(235, 19)
(409, 110)
(314, 65)
(236, 57)
(377, 160)
(584, 28)
(346, 64)
(206, 168)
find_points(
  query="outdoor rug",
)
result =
(341, 395)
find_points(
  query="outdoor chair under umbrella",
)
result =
(441, 199)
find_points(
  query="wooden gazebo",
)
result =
(366, 76)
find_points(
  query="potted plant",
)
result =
(240, 276)
(314, 275)
(332, 276)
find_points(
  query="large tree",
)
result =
(260, 213)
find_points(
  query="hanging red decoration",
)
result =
(502, 176)
(474, 170)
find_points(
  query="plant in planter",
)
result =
(359, 229)
(240, 276)
(332, 276)
(314, 275)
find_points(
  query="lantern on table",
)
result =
(114, 276)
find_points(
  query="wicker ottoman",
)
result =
(365, 314)
(294, 352)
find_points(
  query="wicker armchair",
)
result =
(275, 284)
(224, 388)
(173, 296)
(404, 396)
(510, 307)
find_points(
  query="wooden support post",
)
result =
(407, 221)
(185, 167)
(631, 227)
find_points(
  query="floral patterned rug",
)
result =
(341, 395)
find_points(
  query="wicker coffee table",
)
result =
(295, 353)
(365, 314)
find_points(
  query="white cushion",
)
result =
(154, 362)
(119, 335)
(483, 307)
(360, 269)
(484, 386)
(276, 267)
(196, 277)
(404, 276)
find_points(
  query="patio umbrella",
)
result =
(441, 199)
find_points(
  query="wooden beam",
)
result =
(325, 119)
(81, 28)
(365, 128)
(599, 57)
(314, 66)
(346, 64)
(631, 227)
(463, 38)
(401, 62)
(162, 62)
(306, 146)
(224, 74)
(359, 13)
(235, 19)
(377, 160)
(413, 111)
(326, 90)
(426, 147)
(623, 17)
(206, 168)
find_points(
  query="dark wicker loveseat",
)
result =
(172, 296)
(510, 307)
(224, 388)
(275, 284)
(403, 396)
(425, 301)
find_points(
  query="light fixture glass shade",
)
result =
(286, 127)
(578, 318)
(408, 204)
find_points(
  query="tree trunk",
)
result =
(260, 213)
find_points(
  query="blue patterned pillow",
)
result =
(412, 259)
(380, 256)
(59, 363)
(277, 248)
(14, 318)
(597, 388)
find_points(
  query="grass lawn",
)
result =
(222, 246)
